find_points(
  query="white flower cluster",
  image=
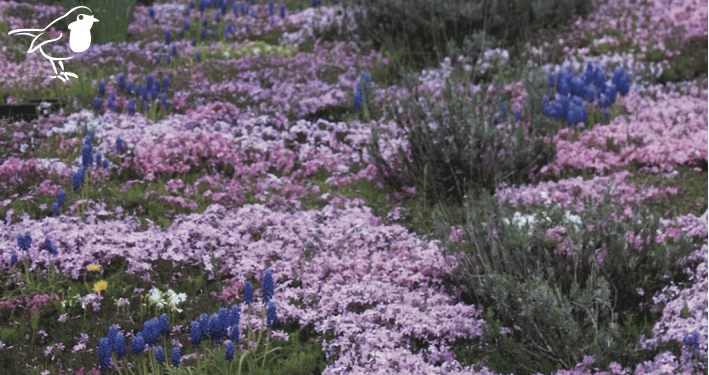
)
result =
(529, 220)
(493, 58)
(168, 298)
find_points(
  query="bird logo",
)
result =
(79, 40)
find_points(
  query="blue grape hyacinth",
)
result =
(131, 107)
(176, 356)
(137, 344)
(621, 79)
(283, 10)
(120, 345)
(168, 36)
(119, 144)
(186, 25)
(198, 56)
(121, 81)
(61, 197)
(49, 246)
(234, 333)
(24, 241)
(358, 98)
(13, 258)
(229, 351)
(248, 293)
(101, 88)
(160, 355)
(164, 324)
(267, 286)
(271, 316)
(97, 103)
(78, 178)
(112, 332)
(195, 334)
(234, 315)
(55, 208)
(104, 354)
(87, 158)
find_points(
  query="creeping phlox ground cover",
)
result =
(206, 199)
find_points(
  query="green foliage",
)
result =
(566, 300)
(114, 17)
(428, 28)
(470, 147)
(688, 65)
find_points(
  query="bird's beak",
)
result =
(95, 19)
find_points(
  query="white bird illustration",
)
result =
(79, 40)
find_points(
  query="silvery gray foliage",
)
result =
(570, 290)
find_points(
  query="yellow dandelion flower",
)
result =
(100, 286)
(94, 267)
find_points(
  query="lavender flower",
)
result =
(229, 351)
(176, 356)
(267, 286)
(104, 354)
(248, 293)
(160, 355)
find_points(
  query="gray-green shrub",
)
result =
(466, 150)
(566, 302)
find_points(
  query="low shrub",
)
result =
(459, 141)
(565, 285)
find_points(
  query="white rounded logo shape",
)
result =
(80, 34)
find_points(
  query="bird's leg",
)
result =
(61, 65)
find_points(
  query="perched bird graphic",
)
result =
(79, 40)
